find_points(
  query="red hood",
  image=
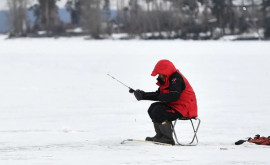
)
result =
(165, 67)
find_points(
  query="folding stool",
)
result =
(195, 130)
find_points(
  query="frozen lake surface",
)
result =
(58, 106)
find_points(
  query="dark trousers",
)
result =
(160, 112)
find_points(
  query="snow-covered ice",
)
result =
(58, 106)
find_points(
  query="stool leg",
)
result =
(194, 130)
(173, 126)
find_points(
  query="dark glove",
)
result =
(131, 90)
(139, 94)
(239, 142)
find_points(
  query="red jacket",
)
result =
(187, 103)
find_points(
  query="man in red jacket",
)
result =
(175, 99)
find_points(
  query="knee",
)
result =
(152, 107)
(156, 113)
(155, 104)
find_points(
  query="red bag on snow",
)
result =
(260, 140)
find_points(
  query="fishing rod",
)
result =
(130, 89)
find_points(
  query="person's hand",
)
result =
(131, 90)
(139, 94)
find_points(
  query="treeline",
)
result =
(146, 19)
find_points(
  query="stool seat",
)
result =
(187, 118)
(195, 130)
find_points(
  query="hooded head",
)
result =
(164, 67)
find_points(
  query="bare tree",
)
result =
(91, 14)
(106, 16)
(133, 22)
(47, 18)
(50, 17)
(74, 7)
(266, 18)
(17, 16)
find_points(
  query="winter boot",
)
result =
(167, 133)
(158, 133)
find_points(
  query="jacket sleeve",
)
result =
(151, 95)
(177, 85)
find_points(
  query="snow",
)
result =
(246, 2)
(58, 106)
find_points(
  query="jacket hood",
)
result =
(165, 67)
